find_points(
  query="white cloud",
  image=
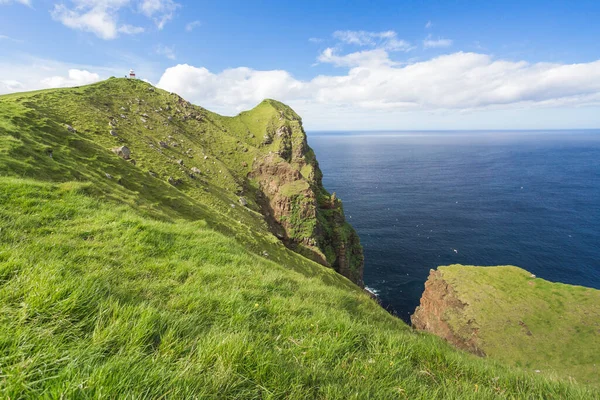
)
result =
(374, 85)
(10, 85)
(387, 40)
(131, 30)
(192, 25)
(96, 16)
(75, 77)
(440, 42)
(360, 58)
(166, 51)
(371, 91)
(428, 25)
(315, 40)
(232, 90)
(101, 17)
(29, 73)
(24, 2)
(161, 11)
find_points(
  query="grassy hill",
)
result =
(151, 279)
(510, 315)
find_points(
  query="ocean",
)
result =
(423, 199)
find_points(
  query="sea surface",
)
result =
(423, 199)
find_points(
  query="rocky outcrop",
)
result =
(294, 202)
(440, 309)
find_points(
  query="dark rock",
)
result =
(243, 201)
(113, 133)
(180, 162)
(174, 181)
(70, 128)
(163, 144)
(122, 152)
(267, 139)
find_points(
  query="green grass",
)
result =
(97, 300)
(530, 322)
(162, 131)
(129, 287)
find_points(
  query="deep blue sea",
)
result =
(423, 199)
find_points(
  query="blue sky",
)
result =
(341, 65)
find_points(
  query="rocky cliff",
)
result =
(439, 310)
(509, 314)
(253, 172)
(292, 197)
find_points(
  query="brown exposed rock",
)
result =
(438, 303)
(290, 204)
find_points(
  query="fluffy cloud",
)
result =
(96, 16)
(101, 17)
(34, 73)
(231, 90)
(75, 77)
(459, 81)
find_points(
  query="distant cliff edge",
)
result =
(509, 314)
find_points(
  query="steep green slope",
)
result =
(510, 315)
(216, 163)
(117, 281)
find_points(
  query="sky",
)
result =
(342, 65)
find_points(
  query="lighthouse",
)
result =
(131, 74)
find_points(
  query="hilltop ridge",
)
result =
(258, 161)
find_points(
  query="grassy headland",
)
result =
(118, 282)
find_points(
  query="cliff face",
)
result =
(250, 173)
(440, 306)
(296, 205)
(508, 314)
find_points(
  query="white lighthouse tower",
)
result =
(131, 74)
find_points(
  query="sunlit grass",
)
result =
(128, 287)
